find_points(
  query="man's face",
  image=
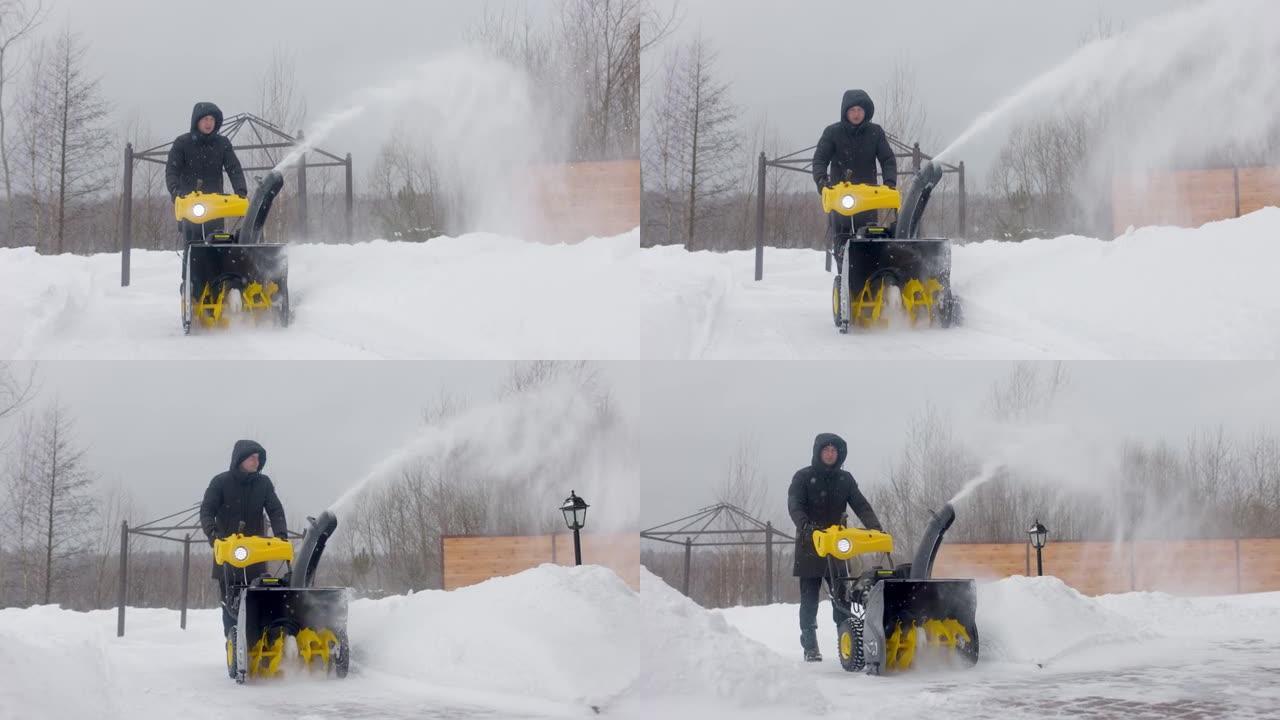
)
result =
(856, 115)
(250, 464)
(205, 124)
(829, 455)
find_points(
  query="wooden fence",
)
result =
(1190, 198)
(471, 559)
(581, 200)
(1181, 567)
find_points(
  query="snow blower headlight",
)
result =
(847, 202)
(241, 553)
(843, 545)
(197, 210)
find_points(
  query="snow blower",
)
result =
(898, 619)
(232, 274)
(270, 609)
(872, 259)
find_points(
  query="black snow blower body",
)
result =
(899, 618)
(272, 609)
(233, 275)
(873, 260)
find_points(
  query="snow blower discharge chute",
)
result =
(234, 274)
(872, 260)
(901, 618)
(271, 609)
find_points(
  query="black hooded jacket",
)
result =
(845, 146)
(199, 159)
(819, 496)
(234, 496)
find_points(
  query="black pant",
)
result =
(809, 589)
(236, 581)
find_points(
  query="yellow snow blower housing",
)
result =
(872, 259)
(270, 608)
(201, 207)
(241, 551)
(898, 618)
(848, 199)
(232, 275)
(843, 543)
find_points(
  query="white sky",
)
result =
(157, 59)
(790, 62)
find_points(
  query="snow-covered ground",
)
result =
(1157, 292)
(1047, 651)
(1154, 293)
(549, 642)
(478, 296)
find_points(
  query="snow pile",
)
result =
(1038, 619)
(559, 633)
(477, 296)
(692, 654)
(1155, 292)
(551, 641)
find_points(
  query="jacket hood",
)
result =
(242, 450)
(824, 439)
(859, 98)
(206, 108)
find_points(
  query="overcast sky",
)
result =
(156, 59)
(688, 418)
(790, 62)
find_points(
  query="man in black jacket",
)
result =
(817, 499)
(241, 494)
(850, 149)
(196, 161)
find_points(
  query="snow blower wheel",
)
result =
(851, 642)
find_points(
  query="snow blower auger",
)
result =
(898, 619)
(232, 275)
(873, 259)
(271, 609)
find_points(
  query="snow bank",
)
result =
(560, 633)
(551, 641)
(1155, 292)
(478, 296)
(691, 653)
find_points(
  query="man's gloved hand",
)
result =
(242, 193)
(823, 182)
(891, 184)
(807, 530)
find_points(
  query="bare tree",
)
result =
(17, 20)
(65, 137)
(602, 38)
(904, 115)
(409, 203)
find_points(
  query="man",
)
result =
(196, 162)
(850, 150)
(241, 494)
(817, 499)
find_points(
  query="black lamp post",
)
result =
(1039, 536)
(575, 516)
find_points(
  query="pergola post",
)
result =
(688, 553)
(186, 578)
(122, 597)
(760, 182)
(768, 563)
(350, 200)
(126, 215)
(964, 228)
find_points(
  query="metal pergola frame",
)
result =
(802, 161)
(745, 527)
(269, 138)
(160, 529)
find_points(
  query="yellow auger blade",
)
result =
(901, 648)
(257, 297)
(867, 307)
(269, 652)
(920, 295)
(209, 308)
(316, 645)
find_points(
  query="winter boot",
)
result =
(809, 641)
